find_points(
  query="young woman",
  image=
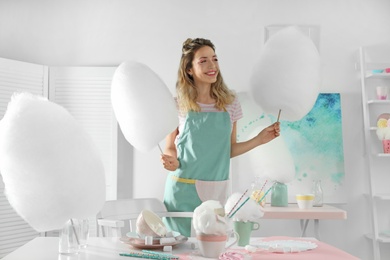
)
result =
(198, 152)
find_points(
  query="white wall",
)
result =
(103, 32)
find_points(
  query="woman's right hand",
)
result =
(169, 162)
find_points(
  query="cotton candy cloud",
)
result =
(144, 107)
(287, 75)
(50, 167)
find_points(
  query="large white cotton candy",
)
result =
(143, 105)
(273, 160)
(50, 167)
(206, 221)
(250, 211)
(287, 76)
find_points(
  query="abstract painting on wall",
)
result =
(315, 143)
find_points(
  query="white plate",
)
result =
(140, 243)
(287, 246)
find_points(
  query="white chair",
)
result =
(119, 216)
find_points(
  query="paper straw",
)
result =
(75, 233)
(247, 200)
(170, 256)
(235, 205)
(145, 255)
(263, 185)
(238, 208)
(265, 194)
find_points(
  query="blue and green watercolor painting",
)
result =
(316, 146)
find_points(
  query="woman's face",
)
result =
(204, 66)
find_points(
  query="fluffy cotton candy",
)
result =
(250, 211)
(51, 169)
(273, 160)
(287, 76)
(143, 105)
(207, 221)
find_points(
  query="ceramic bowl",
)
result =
(149, 224)
(305, 201)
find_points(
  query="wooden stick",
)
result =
(279, 115)
(159, 147)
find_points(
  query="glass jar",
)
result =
(69, 242)
(318, 193)
(257, 193)
(279, 196)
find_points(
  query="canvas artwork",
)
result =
(315, 144)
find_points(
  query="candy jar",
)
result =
(256, 191)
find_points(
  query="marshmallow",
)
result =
(167, 240)
(250, 248)
(148, 240)
(167, 248)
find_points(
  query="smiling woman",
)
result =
(105, 33)
(198, 152)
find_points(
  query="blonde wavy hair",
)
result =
(186, 90)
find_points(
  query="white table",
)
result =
(46, 248)
(305, 215)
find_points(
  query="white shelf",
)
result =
(383, 154)
(382, 196)
(378, 75)
(380, 102)
(379, 196)
(370, 79)
(381, 239)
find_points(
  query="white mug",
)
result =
(212, 246)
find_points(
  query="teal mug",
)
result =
(244, 230)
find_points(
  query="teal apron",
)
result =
(203, 150)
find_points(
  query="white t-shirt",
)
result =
(234, 110)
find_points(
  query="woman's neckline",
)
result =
(206, 104)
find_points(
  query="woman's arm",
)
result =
(169, 158)
(267, 134)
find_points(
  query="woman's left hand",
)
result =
(169, 162)
(269, 133)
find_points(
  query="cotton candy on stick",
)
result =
(50, 167)
(273, 160)
(143, 105)
(287, 75)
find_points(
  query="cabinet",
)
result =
(372, 60)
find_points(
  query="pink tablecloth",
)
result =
(323, 251)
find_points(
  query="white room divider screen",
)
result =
(85, 93)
